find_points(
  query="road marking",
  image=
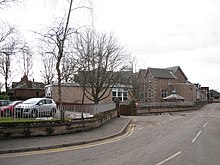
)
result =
(168, 159)
(71, 148)
(196, 136)
(205, 125)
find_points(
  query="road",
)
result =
(187, 138)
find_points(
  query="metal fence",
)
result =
(70, 111)
(78, 111)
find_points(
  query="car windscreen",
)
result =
(31, 101)
(14, 102)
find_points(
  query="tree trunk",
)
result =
(83, 96)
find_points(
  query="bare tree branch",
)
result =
(4, 3)
(100, 57)
(48, 70)
(9, 45)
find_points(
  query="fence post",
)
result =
(62, 112)
(117, 102)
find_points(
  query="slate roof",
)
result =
(214, 93)
(161, 73)
(26, 84)
(175, 68)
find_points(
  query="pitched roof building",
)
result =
(215, 96)
(160, 83)
(25, 89)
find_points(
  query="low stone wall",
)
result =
(54, 127)
(171, 109)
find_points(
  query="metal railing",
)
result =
(85, 110)
(70, 111)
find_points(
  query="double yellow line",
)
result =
(71, 148)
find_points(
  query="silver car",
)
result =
(36, 107)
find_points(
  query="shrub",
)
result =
(4, 97)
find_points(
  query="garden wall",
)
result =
(13, 130)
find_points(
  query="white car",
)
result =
(36, 107)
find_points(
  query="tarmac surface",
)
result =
(113, 128)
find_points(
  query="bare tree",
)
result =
(48, 70)
(69, 68)
(25, 59)
(9, 42)
(57, 39)
(99, 57)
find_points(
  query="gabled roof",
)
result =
(175, 68)
(26, 84)
(161, 73)
(142, 72)
(31, 85)
(214, 93)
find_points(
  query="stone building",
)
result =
(214, 96)
(159, 83)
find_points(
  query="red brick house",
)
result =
(26, 89)
(159, 83)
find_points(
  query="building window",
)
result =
(141, 95)
(114, 96)
(125, 96)
(120, 94)
(164, 93)
(149, 94)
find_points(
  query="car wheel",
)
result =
(35, 113)
(7, 113)
(53, 112)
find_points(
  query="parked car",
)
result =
(4, 103)
(36, 107)
(9, 109)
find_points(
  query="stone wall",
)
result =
(13, 130)
(171, 109)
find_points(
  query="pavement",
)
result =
(115, 127)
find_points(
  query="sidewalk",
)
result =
(113, 128)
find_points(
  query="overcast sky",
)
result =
(159, 33)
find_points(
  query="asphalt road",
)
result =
(187, 138)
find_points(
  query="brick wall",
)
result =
(23, 94)
(156, 86)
